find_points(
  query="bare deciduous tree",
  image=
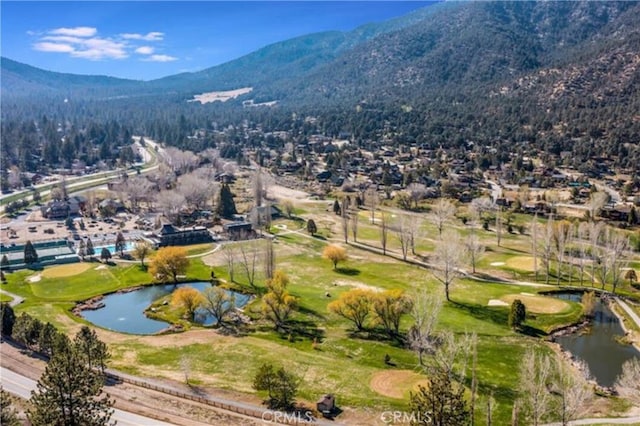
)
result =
(442, 212)
(597, 200)
(628, 382)
(197, 191)
(170, 202)
(138, 189)
(562, 233)
(475, 250)
(401, 230)
(425, 312)
(384, 231)
(354, 217)
(416, 192)
(448, 257)
(612, 257)
(546, 245)
(219, 303)
(269, 259)
(535, 373)
(230, 253)
(573, 390)
(249, 260)
(534, 243)
(584, 253)
(372, 201)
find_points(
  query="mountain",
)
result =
(291, 58)
(19, 78)
(556, 77)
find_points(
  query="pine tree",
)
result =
(517, 314)
(226, 206)
(90, 250)
(30, 254)
(443, 400)
(8, 416)
(311, 227)
(69, 392)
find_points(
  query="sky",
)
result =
(152, 39)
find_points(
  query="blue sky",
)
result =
(152, 39)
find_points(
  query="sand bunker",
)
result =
(496, 263)
(101, 267)
(496, 302)
(35, 278)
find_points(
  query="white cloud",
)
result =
(63, 39)
(99, 48)
(75, 32)
(145, 50)
(53, 47)
(84, 42)
(152, 36)
(160, 58)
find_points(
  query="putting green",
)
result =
(66, 270)
(396, 383)
(538, 304)
(523, 263)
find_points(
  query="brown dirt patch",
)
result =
(66, 270)
(538, 304)
(396, 383)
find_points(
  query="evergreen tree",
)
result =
(69, 392)
(226, 206)
(7, 318)
(441, 402)
(30, 254)
(311, 227)
(517, 314)
(105, 254)
(90, 250)
(94, 351)
(8, 416)
(280, 385)
(4, 262)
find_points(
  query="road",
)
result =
(22, 386)
(150, 164)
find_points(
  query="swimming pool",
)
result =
(128, 246)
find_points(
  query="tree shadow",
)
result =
(319, 237)
(496, 315)
(299, 330)
(348, 271)
(532, 331)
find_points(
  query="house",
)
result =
(169, 235)
(239, 230)
(55, 209)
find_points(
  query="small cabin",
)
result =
(327, 404)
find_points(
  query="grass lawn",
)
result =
(351, 365)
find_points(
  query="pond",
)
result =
(597, 346)
(124, 312)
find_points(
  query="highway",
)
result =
(22, 386)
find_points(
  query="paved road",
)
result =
(16, 299)
(610, 421)
(629, 311)
(22, 387)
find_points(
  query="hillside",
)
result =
(536, 76)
